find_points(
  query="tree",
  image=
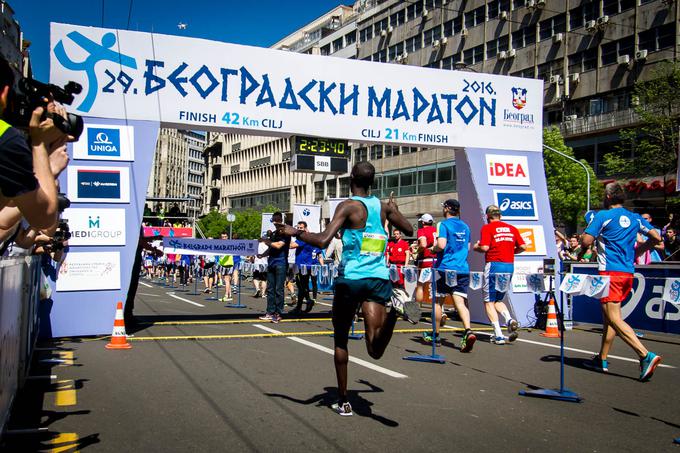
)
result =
(654, 144)
(248, 222)
(213, 224)
(567, 182)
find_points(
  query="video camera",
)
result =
(63, 232)
(31, 94)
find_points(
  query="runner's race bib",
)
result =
(373, 244)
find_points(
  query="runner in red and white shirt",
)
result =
(398, 253)
(427, 234)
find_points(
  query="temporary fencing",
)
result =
(20, 295)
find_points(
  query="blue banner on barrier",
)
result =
(185, 246)
(644, 309)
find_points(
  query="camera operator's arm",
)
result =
(40, 206)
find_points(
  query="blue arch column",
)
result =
(75, 313)
(476, 191)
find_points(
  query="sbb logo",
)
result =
(507, 170)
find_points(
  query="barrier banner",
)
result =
(645, 307)
(597, 286)
(169, 232)
(209, 247)
(309, 213)
(671, 291)
(476, 280)
(573, 283)
(536, 283)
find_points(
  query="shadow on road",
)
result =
(580, 363)
(360, 405)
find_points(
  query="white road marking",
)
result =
(146, 284)
(185, 300)
(149, 294)
(361, 362)
(582, 351)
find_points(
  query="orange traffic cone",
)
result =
(551, 328)
(119, 337)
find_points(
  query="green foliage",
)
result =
(567, 182)
(654, 143)
(214, 224)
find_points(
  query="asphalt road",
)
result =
(210, 378)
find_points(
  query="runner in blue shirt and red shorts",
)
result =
(616, 230)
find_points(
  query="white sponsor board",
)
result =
(182, 81)
(534, 238)
(507, 170)
(89, 271)
(309, 213)
(96, 226)
(522, 269)
(90, 184)
(105, 142)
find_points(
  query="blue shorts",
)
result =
(490, 272)
(459, 289)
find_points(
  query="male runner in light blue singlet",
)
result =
(363, 277)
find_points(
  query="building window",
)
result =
(496, 7)
(431, 35)
(612, 50)
(414, 10)
(495, 46)
(611, 7)
(344, 187)
(474, 55)
(398, 18)
(376, 152)
(413, 44)
(360, 154)
(583, 61)
(318, 190)
(524, 37)
(391, 150)
(337, 44)
(332, 188)
(579, 16)
(549, 27)
(326, 50)
(432, 4)
(366, 34)
(381, 56)
(474, 17)
(380, 26)
(451, 62)
(658, 38)
(350, 38)
(395, 50)
(453, 26)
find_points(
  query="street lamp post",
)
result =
(582, 165)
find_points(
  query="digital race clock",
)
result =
(314, 146)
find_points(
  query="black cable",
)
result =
(102, 13)
(129, 15)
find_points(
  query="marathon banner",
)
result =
(188, 82)
(266, 224)
(595, 286)
(169, 232)
(209, 247)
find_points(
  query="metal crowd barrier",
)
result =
(19, 298)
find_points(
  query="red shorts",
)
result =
(426, 263)
(620, 285)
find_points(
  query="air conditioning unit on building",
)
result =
(426, 13)
(502, 55)
(390, 29)
(570, 117)
(555, 79)
(558, 37)
(444, 40)
(540, 3)
(591, 26)
(383, 32)
(602, 21)
(436, 43)
(641, 55)
(511, 53)
(402, 58)
(464, 32)
(504, 15)
(574, 77)
(623, 59)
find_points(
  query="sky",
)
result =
(257, 23)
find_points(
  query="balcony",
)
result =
(604, 122)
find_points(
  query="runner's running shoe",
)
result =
(648, 365)
(344, 409)
(427, 337)
(513, 326)
(596, 364)
(498, 340)
(276, 318)
(468, 341)
(405, 306)
(266, 317)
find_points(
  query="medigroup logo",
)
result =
(517, 204)
(103, 142)
(507, 170)
(96, 226)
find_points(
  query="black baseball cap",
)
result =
(452, 204)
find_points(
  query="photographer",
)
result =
(27, 180)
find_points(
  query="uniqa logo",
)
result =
(102, 139)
